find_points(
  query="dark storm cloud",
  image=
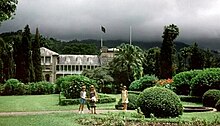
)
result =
(81, 19)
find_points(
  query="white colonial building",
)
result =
(55, 65)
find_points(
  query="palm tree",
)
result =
(128, 61)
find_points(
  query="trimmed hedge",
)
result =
(194, 99)
(41, 88)
(182, 81)
(132, 98)
(208, 79)
(210, 98)
(160, 102)
(102, 99)
(144, 82)
(15, 87)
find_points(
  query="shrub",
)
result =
(208, 79)
(40, 88)
(194, 99)
(71, 85)
(132, 98)
(143, 82)
(210, 98)
(217, 105)
(160, 102)
(13, 87)
(182, 81)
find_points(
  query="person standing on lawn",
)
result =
(93, 99)
(82, 99)
(124, 97)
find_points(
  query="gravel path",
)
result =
(49, 112)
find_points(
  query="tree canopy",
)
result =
(7, 10)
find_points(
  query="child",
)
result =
(93, 99)
(124, 97)
(82, 99)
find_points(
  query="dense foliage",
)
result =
(8, 8)
(210, 97)
(182, 81)
(127, 64)
(205, 80)
(151, 61)
(37, 57)
(15, 87)
(71, 85)
(103, 77)
(167, 51)
(144, 82)
(160, 102)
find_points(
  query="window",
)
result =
(57, 68)
(65, 68)
(73, 68)
(88, 67)
(77, 68)
(48, 59)
(69, 68)
(42, 59)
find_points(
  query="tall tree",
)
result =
(2, 49)
(7, 10)
(37, 57)
(24, 71)
(197, 57)
(166, 56)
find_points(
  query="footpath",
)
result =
(51, 112)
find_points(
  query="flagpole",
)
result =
(101, 41)
(130, 34)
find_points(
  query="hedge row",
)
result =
(196, 82)
(194, 99)
(15, 87)
(102, 99)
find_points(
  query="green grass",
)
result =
(71, 119)
(40, 103)
(49, 102)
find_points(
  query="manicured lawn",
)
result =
(40, 103)
(49, 102)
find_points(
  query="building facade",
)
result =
(55, 65)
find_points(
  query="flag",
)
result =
(103, 28)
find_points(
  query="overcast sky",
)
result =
(81, 19)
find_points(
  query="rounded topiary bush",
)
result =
(132, 98)
(161, 102)
(144, 82)
(217, 105)
(210, 98)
